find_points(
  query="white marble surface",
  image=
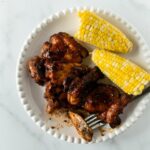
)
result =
(17, 19)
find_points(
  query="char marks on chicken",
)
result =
(76, 72)
(101, 98)
(80, 87)
(72, 85)
(63, 47)
(57, 71)
(37, 69)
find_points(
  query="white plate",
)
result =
(31, 94)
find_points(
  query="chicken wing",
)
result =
(37, 69)
(108, 101)
(76, 71)
(80, 87)
(100, 99)
(55, 96)
(57, 72)
(60, 76)
(63, 47)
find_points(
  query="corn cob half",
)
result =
(100, 33)
(125, 74)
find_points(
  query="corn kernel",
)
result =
(100, 33)
(129, 77)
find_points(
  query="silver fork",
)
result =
(94, 122)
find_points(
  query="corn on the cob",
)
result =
(125, 74)
(100, 33)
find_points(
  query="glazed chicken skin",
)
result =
(80, 87)
(57, 71)
(37, 69)
(111, 116)
(59, 83)
(63, 47)
(100, 99)
(76, 72)
(108, 102)
(51, 52)
(55, 97)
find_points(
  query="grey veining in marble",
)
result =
(17, 19)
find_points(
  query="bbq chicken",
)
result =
(108, 102)
(57, 72)
(63, 47)
(37, 69)
(70, 84)
(80, 87)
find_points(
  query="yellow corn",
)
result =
(100, 33)
(125, 74)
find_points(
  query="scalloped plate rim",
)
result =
(25, 103)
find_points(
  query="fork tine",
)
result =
(91, 120)
(94, 123)
(89, 117)
(97, 125)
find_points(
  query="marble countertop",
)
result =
(17, 19)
